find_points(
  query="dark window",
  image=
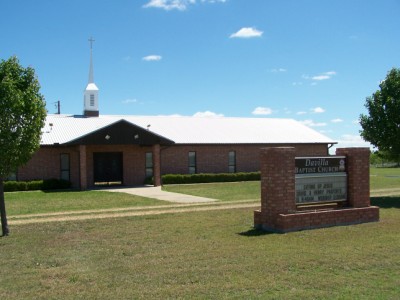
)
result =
(11, 177)
(64, 166)
(91, 99)
(232, 161)
(192, 162)
(149, 164)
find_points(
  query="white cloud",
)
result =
(301, 113)
(262, 111)
(338, 120)
(176, 4)
(207, 114)
(317, 110)
(168, 4)
(353, 141)
(152, 58)
(324, 76)
(287, 110)
(350, 140)
(213, 1)
(172, 115)
(325, 131)
(311, 123)
(279, 70)
(247, 32)
(129, 101)
(320, 77)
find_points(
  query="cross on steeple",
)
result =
(91, 40)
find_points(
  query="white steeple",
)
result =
(91, 94)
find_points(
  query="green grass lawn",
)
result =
(228, 191)
(19, 203)
(385, 178)
(201, 255)
(381, 178)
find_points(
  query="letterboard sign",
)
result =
(308, 165)
(320, 179)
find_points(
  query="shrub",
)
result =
(12, 186)
(209, 177)
(34, 185)
(48, 184)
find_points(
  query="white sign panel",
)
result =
(321, 179)
(317, 189)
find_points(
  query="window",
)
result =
(149, 164)
(91, 99)
(192, 162)
(64, 166)
(12, 177)
(232, 161)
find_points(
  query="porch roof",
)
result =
(72, 129)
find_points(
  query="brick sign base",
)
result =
(279, 212)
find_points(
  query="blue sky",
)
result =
(311, 60)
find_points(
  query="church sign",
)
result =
(320, 179)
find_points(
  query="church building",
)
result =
(93, 148)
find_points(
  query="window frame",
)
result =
(192, 162)
(149, 164)
(13, 176)
(65, 169)
(232, 161)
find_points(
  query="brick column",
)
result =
(82, 167)
(277, 185)
(157, 165)
(357, 160)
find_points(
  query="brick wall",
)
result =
(327, 218)
(45, 163)
(214, 158)
(278, 207)
(358, 175)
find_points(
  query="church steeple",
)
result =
(91, 94)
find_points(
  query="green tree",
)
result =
(382, 126)
(22, 115)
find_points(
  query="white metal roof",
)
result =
(189, 130)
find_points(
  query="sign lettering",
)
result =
(320, 179)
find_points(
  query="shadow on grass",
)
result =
(255, 232)
(386, 202)
(61, 191)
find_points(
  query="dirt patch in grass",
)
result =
(119, 213)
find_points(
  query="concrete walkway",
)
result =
(155, 192)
